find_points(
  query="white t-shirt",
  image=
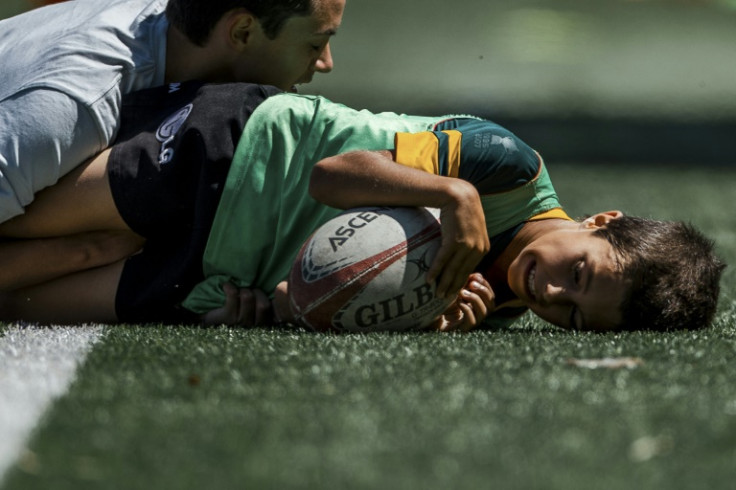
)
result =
(64, 70)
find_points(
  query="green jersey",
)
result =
(266, 213)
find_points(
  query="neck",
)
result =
(188, 61)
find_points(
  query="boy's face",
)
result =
(300, 49)
(570, 277)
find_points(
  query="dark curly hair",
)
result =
(197, 18)
(672, 272)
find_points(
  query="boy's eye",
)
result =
(577, 274)
(577, 271)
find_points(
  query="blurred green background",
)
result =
(13, 7)
(593, 80)
(602, 58)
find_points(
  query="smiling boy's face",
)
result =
(570, 277)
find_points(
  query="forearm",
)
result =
(27, 262)
(372, 178)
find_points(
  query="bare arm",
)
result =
(37, 260)
(364, 178)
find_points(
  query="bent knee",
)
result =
(94, 249)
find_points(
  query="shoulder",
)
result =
(492, 157)
(85, 49)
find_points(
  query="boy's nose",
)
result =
(553, 293)
(324, 63)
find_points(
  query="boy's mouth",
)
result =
(531, 287)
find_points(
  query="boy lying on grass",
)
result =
(221, 184)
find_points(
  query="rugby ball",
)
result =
(365, 270)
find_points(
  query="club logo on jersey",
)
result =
(167, 132)
(507, 142)
(486, 140)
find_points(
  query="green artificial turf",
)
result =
(192, 408)
(180, 408)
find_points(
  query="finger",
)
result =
(463, 319)
(475, 303)
(484, 293)
(450, 324)
(247, 307)
(280, 304)
(439, 262)
(445, 279)
(478, 277)
(230, 290)
(263, 310)
(469, 320)
(452, 317)
(232, 303)
(454, 276)
(438, 324)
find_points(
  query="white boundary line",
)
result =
(37, 365)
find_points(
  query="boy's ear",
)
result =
(240, 25)
(601, 219)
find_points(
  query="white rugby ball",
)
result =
(365, 270)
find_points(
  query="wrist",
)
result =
(459, 193)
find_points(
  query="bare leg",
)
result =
(87, 296)
(81, 201)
